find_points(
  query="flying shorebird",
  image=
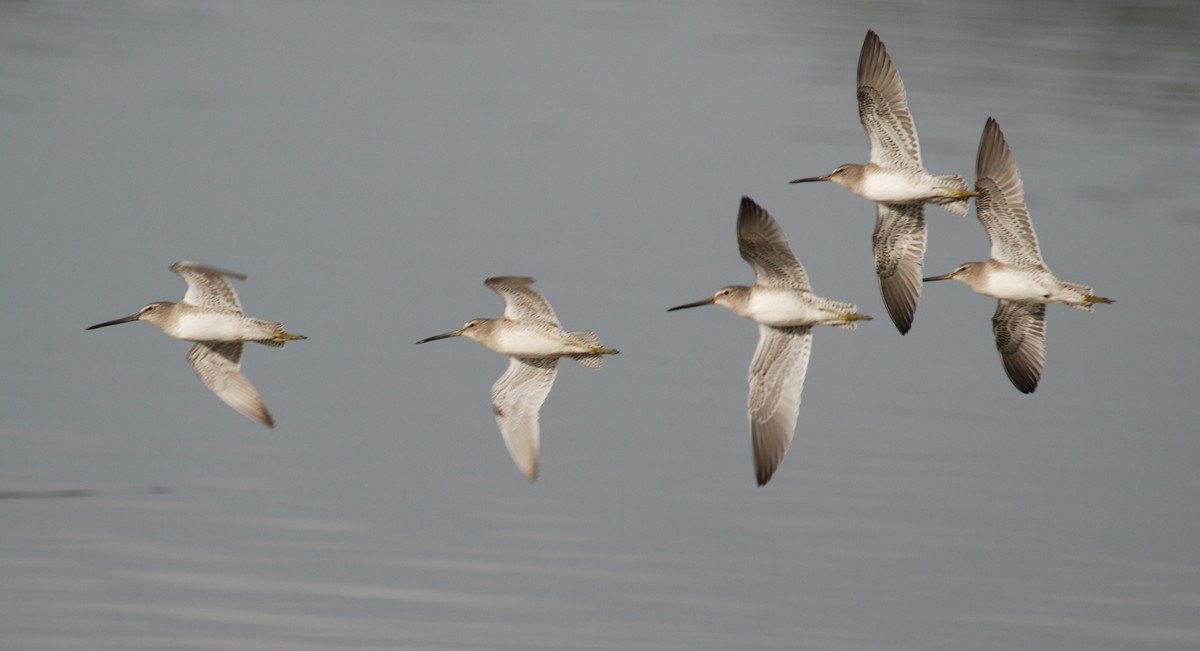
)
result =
(211, 316)
(1015, 273)
(897, 181)
(530, 334)
(782, 303)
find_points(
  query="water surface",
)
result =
(368, 164)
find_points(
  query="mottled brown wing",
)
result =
(218, 365)
(883, 108)
(1020, 329)
(1000, 206)
(207, 287)
(521, 303)
(899, 246)
(517, 398)
(776, 382)
(763, 245)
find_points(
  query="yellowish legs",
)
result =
(1015, 273)
(782, 303)
(896, 180)
(530, 334)
(211, 316)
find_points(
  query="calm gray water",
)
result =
(368, 164)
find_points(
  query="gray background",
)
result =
(368, 164)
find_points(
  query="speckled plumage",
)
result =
(211, 315)
(896, 180)
(530, 334)
(782, 303)
(1015, 272)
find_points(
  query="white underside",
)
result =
(887, 186)
(784, 308)
(199, 326)
(1019, 286)
(523, 342)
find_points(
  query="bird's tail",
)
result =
(958, 195)
(279, 336)
(1084, 297)
(283, 337)
(850, 319)
(596, 350)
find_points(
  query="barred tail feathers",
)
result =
(846, 315)
(590, 340)
(1085, 297)
(958, 195)
(279, 336)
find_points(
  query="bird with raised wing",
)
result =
(897, 181)
(1015, 272)
(783, 305)
(211, 315)
(530, 334)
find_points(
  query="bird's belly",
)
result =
(522, 342)
(783, 309)
(212, 327)
(894, 187)
(1015, 285)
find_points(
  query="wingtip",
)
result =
(994, 157)
(748, 208)
(189, 265)
(902, 318)
(263, 417)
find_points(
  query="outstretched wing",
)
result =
(762, 244)
(899, 246)
(1001, 203)
(218, 365)
(517, 398)
(1020, 329)
(207, 287)
(776, 381)
(883, 108)
(521, 303)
